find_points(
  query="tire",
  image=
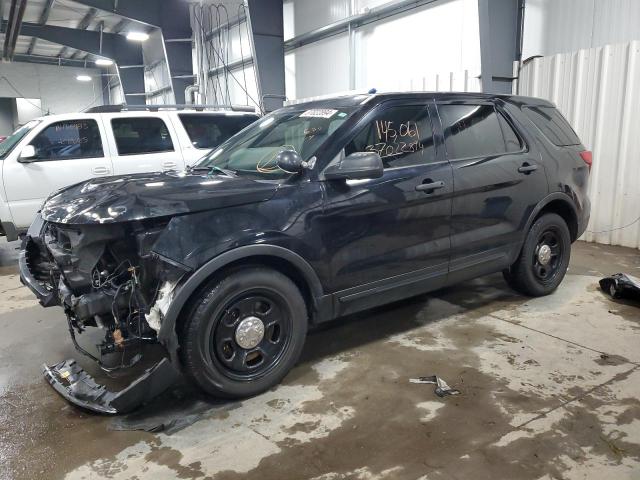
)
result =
(217, 339)
(529, 274)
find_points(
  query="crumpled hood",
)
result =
(147, 195)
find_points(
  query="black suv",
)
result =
(313, 212)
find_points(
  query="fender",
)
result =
(167, 335)
(563, 197)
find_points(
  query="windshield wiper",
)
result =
(211, 169)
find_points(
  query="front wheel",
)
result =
(244, 333)
(544, 258)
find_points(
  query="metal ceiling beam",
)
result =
(144, 11)
(114, 46)
(12, 28)
(120, 26)
(44, 17)
(83, 24)
(42, 59)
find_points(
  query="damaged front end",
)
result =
(104, 276)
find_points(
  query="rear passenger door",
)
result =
(498, 180)
(143, 143)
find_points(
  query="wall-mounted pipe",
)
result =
(189, 93)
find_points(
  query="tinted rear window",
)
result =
(553, 125)
(209, 131)
(471, 131)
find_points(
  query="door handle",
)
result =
(429, 186)
(169, 165)
(100, 171)
(527, 168)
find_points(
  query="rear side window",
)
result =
(209, 131)
(553, 125)
(402, 136)
(141, 135)
(476, 130)
(69, 140)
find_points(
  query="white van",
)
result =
(55, 151)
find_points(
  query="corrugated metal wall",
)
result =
(598, 90)
(559, 26)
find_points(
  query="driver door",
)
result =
(388, 238)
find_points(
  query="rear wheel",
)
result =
(244, 333)
(544, 258)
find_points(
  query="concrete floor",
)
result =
(550, 389)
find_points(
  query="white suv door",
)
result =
(67, 152)
(143, 142)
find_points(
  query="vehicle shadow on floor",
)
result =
(184, 404)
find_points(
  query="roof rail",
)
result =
(155, 108)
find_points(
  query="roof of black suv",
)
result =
(376, 98)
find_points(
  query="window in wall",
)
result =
(402, 136)
(141, 135)
(68, 140)
(209, 131)
(471, 131)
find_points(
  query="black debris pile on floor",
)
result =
(621, 285)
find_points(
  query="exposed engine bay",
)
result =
(103, 276)
(106, 277)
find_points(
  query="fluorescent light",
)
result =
(83, 78)
(137, 36)
(104, 62)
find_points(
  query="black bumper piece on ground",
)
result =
(78, 387)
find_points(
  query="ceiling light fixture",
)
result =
(104, 62)
(137, 36)
(83, 78)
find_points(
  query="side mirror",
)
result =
(358, 165)
(290, 161)
(28, 154)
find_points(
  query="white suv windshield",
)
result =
(13, 139)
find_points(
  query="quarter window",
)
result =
(141, 135)
(553, 125)
(402, 136)
(69, 140)
(475, 131)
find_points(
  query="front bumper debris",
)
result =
(78, 387)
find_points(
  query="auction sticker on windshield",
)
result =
(319, 113)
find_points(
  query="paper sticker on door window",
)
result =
(318, 113)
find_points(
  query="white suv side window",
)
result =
(139, 135)
(69, 139)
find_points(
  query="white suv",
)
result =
(59, 150)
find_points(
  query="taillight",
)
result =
(587, 156)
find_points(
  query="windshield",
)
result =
(15, 137)
(253, 150)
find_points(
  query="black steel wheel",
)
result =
(544, 258)
(244, 332)
(251, 335)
